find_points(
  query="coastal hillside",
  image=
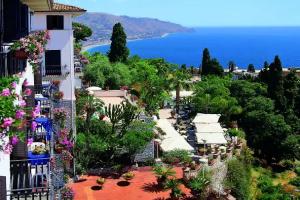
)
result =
(136, 28)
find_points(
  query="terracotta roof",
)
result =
(66, 8)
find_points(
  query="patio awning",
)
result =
(207, 118)
(209, 128)
(172, 140)
(174, 143)
(211, 138)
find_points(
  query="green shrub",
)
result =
(177, 156)
(295, 181)
(238, 179)
(297, 171)
(269, 191)
(287, 164)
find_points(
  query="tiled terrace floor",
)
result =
(142, 187)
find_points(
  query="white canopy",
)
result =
(211, 138)
(171, 144)
(206, 118)
(93, 88)
(183, 93)
(209, 128)
(172, 140)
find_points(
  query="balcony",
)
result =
(9, 65)
(57, 72)
(29, 180)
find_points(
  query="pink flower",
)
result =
(25, 83)
(29, 141)
(14, 140)
(28, 92)
(20, 114)
(22, 103)
(14, 84)
(5, 92)
(7, 148)
(7, 122)
(37, 109)
(33, 126)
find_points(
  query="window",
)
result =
(55, 22)
(53, 62)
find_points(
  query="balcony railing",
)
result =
(29, 179)
(9, 65)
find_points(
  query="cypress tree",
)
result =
(205, 61)
(251, 68)
(264, 73)
(118, 49)
(231, 66)
(275, 84)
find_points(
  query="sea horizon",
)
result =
(243, 45)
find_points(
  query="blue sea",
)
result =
(244, 46)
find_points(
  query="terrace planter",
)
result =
(21, 54)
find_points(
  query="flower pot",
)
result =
(59, 149)
(21, 54)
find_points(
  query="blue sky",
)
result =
(202, 12)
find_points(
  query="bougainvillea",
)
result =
(67, 193)
(13, 113)
(33, 45)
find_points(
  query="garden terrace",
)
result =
(142, 186)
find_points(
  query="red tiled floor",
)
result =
(142, 187)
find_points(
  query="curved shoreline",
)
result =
(98, 44)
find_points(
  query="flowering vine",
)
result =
(12, 114)
(33, 46)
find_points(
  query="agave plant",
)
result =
(198, 185)
(163, 173)
(173, 185)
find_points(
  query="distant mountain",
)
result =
(136, 28)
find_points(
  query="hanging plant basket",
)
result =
(21, 54)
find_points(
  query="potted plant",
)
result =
(100, 181)
(198, 185)
(173, 185)
(58, 95)
(202, 151)
(56, 83)
(163, 173)
(128, 176)
(66, 157)
(21, 54)
(67, 193)
(60, 115)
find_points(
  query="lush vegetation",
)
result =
(266, 108)
(239, 175)
(101, 142)
(81, 31)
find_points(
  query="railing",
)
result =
(29, 179)
(9, 65)
(53, 70)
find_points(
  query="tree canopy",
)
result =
(210, 66)
(81, 31)
(118, 50)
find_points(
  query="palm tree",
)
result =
(88, 105)
(173, 185)
(179, 79)
(163, 173)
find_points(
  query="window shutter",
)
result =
(2, 187)
(53, 62)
